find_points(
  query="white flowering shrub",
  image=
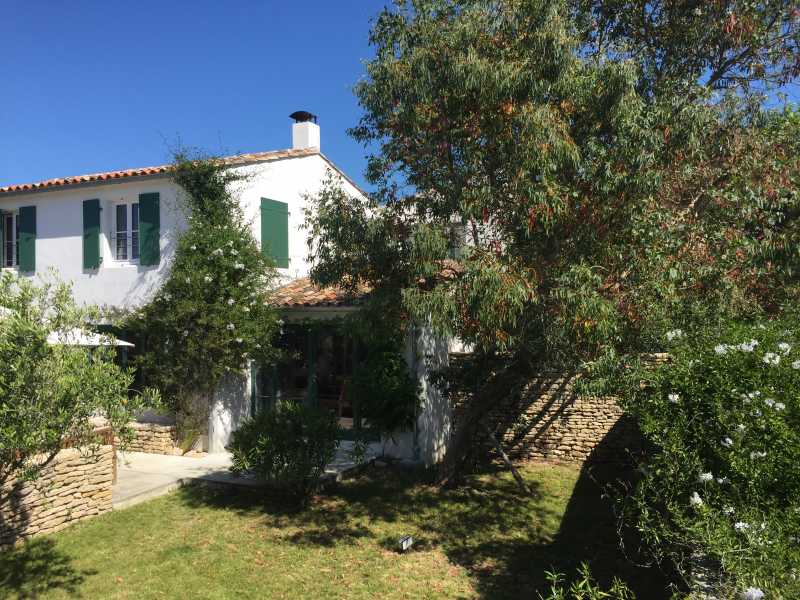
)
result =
(722, 479)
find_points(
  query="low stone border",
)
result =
(154, 438)
(75, 486)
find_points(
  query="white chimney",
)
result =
(305, 131)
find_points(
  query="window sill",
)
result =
(121, 264)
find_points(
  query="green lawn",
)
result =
(483, 541)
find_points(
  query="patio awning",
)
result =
(75, 336)
(79, 337)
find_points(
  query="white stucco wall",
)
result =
(425, 353)
(230, 406)
(59, 225)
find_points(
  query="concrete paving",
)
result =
(141, 476)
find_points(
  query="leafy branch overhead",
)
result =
(593, 198)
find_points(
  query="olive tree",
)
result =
(50, 391)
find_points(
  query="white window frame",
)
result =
(14, 217)
(131, 234)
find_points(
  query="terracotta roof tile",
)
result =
(239, 159)
(303, 293)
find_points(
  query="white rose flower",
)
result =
(771, 358)
(231, 301)
(741, 526)
(705, 477)
(674, 398)
(239, 340)
(208, 279)
(796, 365)
(674, 335)
(727, 442)
(231, 326)
(695, 499)
(757, 454)
(728, 510)
(193, 247)
(784, 348)
(721, 348)
(779, 406)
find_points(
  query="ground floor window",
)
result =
(317, 369)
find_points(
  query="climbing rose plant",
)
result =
(212, 315)
(723, 479)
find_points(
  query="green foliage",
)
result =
(287, 446)
(723, 478)
(50, 392)
(734, 43)
(212, 315)
(386, 393)
(596, 208)
(585, 588)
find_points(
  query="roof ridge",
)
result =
(235, 159)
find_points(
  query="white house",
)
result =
(112, 235)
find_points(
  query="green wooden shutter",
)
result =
(27, 239)
(275, 231)
(91, 234)
(149, 229)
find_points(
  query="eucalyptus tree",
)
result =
(593, 212)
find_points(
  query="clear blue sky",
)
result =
(96, 85)
(90, 85)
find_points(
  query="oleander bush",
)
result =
(721, 485)
(288, 447)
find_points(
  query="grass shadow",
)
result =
(505, 540)
(36, 567)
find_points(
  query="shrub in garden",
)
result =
(288, 447)
(386, 393)
(49, 392)
(723, 481)
(585, 588)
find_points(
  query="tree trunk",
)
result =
(498, 446)
(498, 386)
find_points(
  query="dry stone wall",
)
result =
(153, 438)
(550, 421)
(75, 486)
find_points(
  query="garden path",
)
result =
(141, 476)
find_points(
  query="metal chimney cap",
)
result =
(303, 116)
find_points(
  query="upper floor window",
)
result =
(126, 231)
(10, 224)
